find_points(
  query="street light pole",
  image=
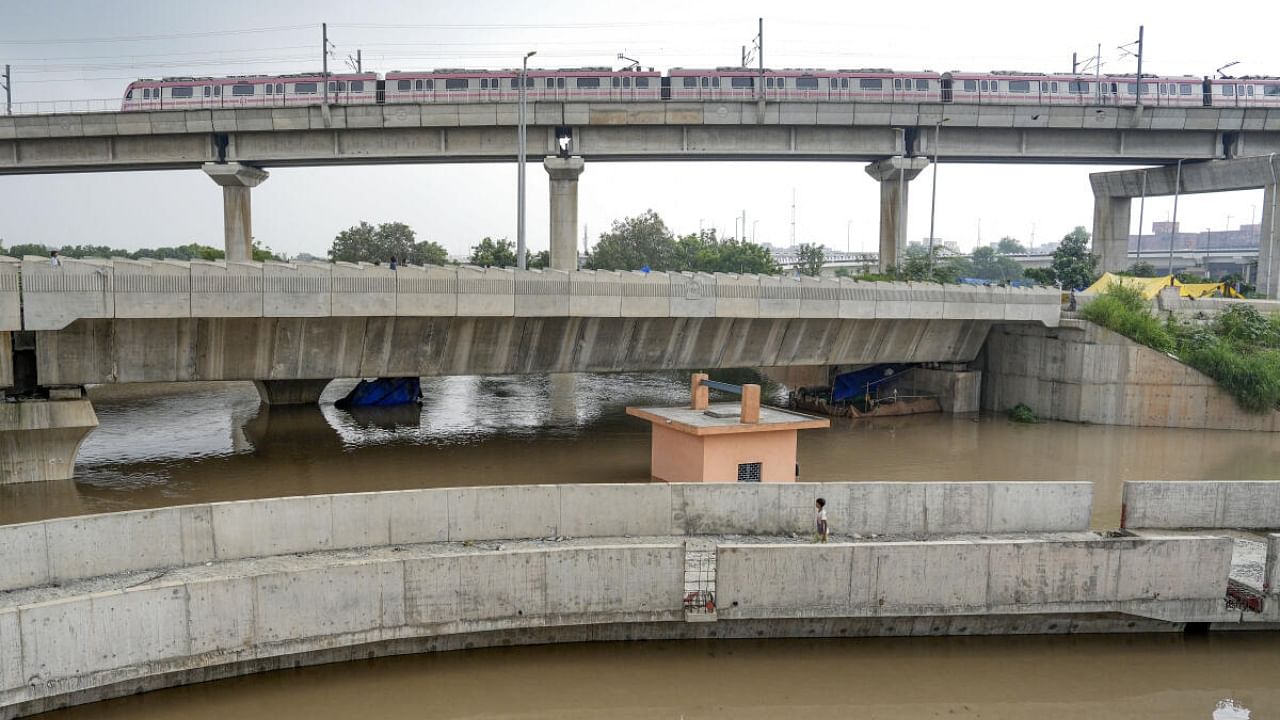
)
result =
(933, 200)
(521, 147)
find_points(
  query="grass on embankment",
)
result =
(1239, 349)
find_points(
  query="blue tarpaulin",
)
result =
(383, 392)
(854, 384)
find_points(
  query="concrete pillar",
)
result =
(290, 392)
(39, 438)
(1111, 232)
(1269, 247)
(237, 213)
(895, 175)
(564, 174)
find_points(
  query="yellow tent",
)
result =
(1150, 287)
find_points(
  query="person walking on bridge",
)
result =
(820, 521)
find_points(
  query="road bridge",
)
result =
(294, 327)
(233, 145)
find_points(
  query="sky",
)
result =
(85, 53)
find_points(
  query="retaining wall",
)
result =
(67, 549)
(53, 298)
(1207, 504)
(1081, 372)
(78, 644)
(1150, 576)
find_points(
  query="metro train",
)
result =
(706, 84)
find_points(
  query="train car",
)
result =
(186, 93)
(1260, 91)
(478, 86)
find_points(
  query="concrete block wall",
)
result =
(1271, 573)
(81, 289)
(68, 549)
(1206, 504)
(81, 642)
(979, 576)
(1080, 372)
(10, 297)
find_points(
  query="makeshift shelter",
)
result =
(1151, 286)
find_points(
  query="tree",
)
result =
(1073, 265)
(987, 264)
(633, 243)
(1044, 276)
(1142, 269)
(22, 249)
(367, 243)
(540, 260)
(703, 252)
(1010, 246)
(917, 268)
(811, 259)
(494, 253)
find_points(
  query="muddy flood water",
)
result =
(1228, 676)
(174, 444)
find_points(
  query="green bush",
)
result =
(1239, 349)
(1022, 414)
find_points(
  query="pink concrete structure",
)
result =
(724, 442)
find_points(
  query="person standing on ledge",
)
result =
(821, 522)
(393, 263)
(55, 260)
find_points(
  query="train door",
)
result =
(945, 88)
(666, 87)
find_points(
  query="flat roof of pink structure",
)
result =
(698, 422)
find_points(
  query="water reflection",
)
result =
(173, 444)
(1043, 677)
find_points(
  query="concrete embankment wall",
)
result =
(1081, 372)
(1207, 504)
(106, 643)
(68, 549)
(1154, 577)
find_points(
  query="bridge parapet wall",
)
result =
(69, 549)
(54, 297)
(1243, 504)
(10, 295)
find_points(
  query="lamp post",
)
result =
(933, 200)
(521, 147)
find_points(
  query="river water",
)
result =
(1226, 676)
(174, 444)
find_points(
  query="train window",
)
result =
(807, 83)
(617, 82)
(742, 82)
(560, 83)
(970, 85)
(706, 82)
(984, 86)
(1019, 86)
(642, 82)
(332, 86)
(279, 88)
(1053, 87)
(1250, 89)
(301, 88)
(484, 83)
(1271, 90)
(691, 82)
(1239, 89)
(921, 84)
(146, 93)
(844, 83)
(1228, 89)
(242, 89)
(1077, 87)
(626, 82)
(405, 85)
(551, 83)
(1113, 88)
(179, 91)
(897, 83)
(128, 95)
(1044, 87)
(768, 82)
(1185, 88)
(715, 82)
(206, 91)
(270, 88)
(832, 84)
(217, 90)
(591, 82)
(871, 84)
(456, 84)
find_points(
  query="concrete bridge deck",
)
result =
(97, 606)
(676, 130)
